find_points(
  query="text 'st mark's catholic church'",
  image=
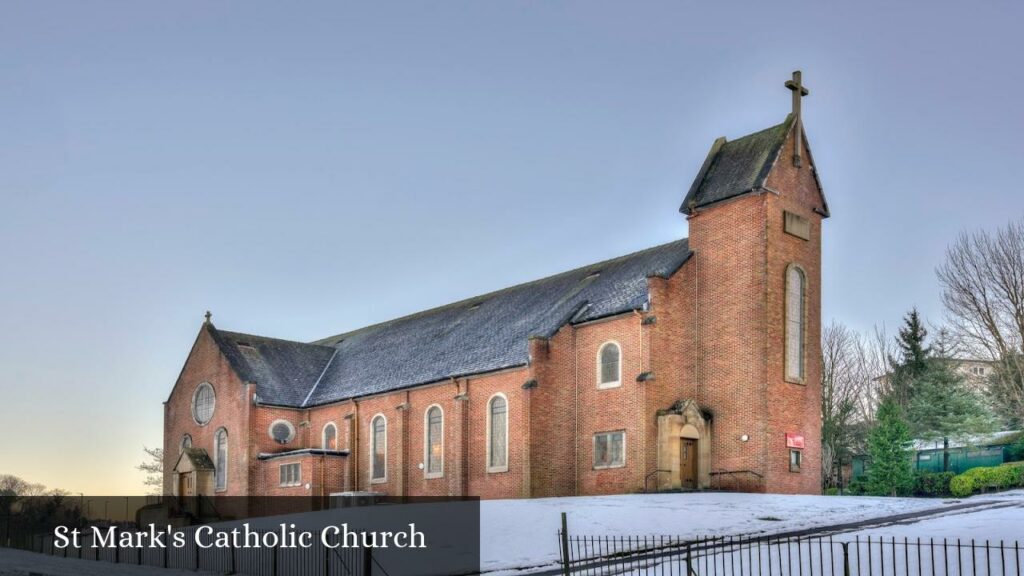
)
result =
(689, 365)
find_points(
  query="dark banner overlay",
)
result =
(364, 535)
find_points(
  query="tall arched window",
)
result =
(609, 365)
(434, 442)
(378, 448)
(330, 437)
(220, 451)
(497, 434)
(796, 287)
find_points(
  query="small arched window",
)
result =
(609, 365)
(330, 437)
(378, 448)
(497, 434)
(186, 442)
(203, 402)
(795, 323)
(434, 442)
(220, 451)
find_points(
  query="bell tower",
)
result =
(755, 211)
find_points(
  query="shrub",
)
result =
(831, 491)
(1009, 475)
(961, 486)
(932, 483)
(857, 487)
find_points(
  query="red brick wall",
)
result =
(729, 247)
(231, 411)
(794, 408)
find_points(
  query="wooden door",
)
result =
(688, 463)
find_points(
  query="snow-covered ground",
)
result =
(994, 524)
(518, 534)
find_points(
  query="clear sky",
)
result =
(302, 169)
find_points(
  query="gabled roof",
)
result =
(282, 370)
(198, 457)
(735, 168)
(477, 335)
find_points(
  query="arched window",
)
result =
(795, 323)
(497, 434)
(330, 437)
(434, 442)
(186, 442)
(220, 452)
(609, 365)
(203, 403)
(378, 448)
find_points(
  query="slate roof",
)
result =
(301, 452)
(473, 336)
(737, 167)
(284, 371)
(198, 457)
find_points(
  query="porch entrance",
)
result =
(684, 448)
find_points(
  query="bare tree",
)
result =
(982, 281)
(850, 367)
(153, 467)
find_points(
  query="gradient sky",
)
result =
(305, 169)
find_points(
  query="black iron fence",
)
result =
(810, 556)
(316, 560)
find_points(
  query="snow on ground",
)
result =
(22, 563)
(523, 533)
(995, 524)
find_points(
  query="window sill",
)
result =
(610, 466)
(497, 469)
(290, 485)
(434, 476)
(798, 381)
(609, 385)
(383, 480)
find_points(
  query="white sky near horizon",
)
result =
(305, 170)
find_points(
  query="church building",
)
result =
(690, 365)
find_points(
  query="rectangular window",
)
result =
(794, 460)
(291, 474)
(610, 449)
(797, 225)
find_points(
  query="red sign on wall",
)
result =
(794, 440)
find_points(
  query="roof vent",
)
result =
(475, 305)
(593, 275)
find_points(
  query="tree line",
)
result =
(881, 393)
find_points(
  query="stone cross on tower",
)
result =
(797, 86)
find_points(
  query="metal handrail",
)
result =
(648, 477)
(719, 473)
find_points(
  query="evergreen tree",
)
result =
(911, 342)
(889, 444)
(913, 360)
(942, 407)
